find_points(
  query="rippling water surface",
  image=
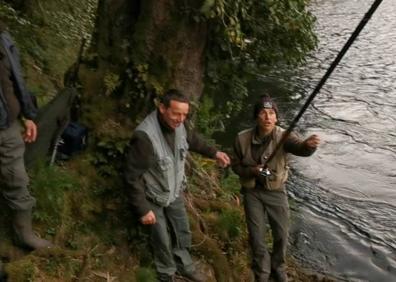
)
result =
(346, 192)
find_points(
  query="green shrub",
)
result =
(48, 185)
(144, 274)
(21, 271)
(230, 224)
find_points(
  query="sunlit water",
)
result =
(344, 220)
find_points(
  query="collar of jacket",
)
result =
(256, 140)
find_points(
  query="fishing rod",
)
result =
(336, 61)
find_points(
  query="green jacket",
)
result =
(250, 151)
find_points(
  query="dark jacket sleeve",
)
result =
(28, 106)
(198, 144)
(237, 167)
(296, 146)
(139, 158)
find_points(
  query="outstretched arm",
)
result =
(312, 142)
(199, 145)
(299, 147)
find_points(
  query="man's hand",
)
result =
(222, 159)
(148, 218)
(312, 141)
(30, 133)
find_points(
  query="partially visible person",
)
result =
(17, 112)
(155, 180)
(2, 274)
(265, 195)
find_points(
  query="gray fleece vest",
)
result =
(166, 179)
(278, 165)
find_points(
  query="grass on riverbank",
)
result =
(97, 237)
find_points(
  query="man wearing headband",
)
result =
(263, 188)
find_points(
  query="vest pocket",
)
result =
(276, 180)
(164, 164)
(158, 196)
(183, 153)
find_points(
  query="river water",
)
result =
(346, 193)
(344, 219)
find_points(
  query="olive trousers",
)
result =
(13, 176)
(170, 238)
(260, 205)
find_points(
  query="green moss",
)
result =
(65, 267)
(230, 224)
(46, 265)
(111, 82)
(21, 271)
(145, 275)
(49, 185)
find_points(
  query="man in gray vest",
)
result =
(17, 112)
(155, 180)
(263, 190)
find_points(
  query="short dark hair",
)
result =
(175, 95)
(264, 102)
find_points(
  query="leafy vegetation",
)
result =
(247, 38)
(50, 185)
(48, 34)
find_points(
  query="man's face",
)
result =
(175, 114)
(266, 120)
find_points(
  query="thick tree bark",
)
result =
(155, 33)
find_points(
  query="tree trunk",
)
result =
(156, 34)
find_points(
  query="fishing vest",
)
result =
(166, 179)
(278, 165)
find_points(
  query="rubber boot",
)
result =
(22, 223)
